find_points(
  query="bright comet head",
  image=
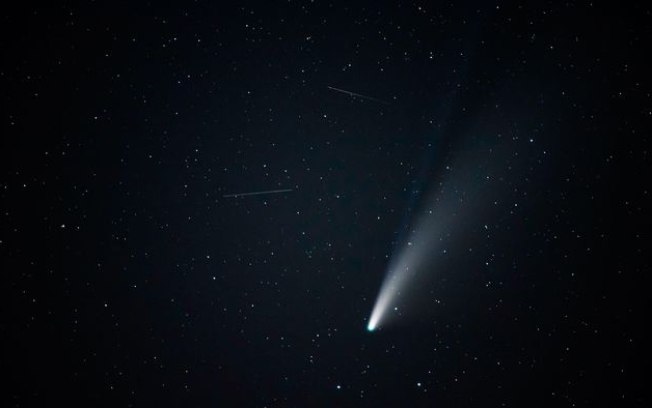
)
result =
(387, 292)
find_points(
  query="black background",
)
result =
(129, 280)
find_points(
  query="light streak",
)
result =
(253, 193)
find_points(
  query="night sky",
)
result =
(506, 142)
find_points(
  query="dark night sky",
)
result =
(129, 280)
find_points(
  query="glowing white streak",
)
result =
(387, 292)
(451, 205)
(379, 309)
(401, 271)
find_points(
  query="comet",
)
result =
(447, 214)
(399, 274)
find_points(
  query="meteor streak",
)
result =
(357, 95)
(253, 193)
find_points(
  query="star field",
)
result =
(505, 143)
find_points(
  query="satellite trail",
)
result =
(253, 193)
(357, 95)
